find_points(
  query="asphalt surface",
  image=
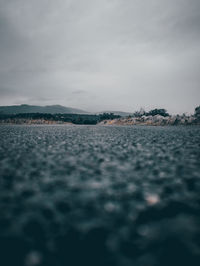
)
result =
(99, 195)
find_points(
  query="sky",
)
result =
(101, 54)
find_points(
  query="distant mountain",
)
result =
(117, 113)
(50, 109)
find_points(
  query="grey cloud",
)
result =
(79, 92)
(101, 54)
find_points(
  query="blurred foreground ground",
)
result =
(95, 195)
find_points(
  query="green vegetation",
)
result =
(153, 117)
(197, 112)
(79, 119)
(153, 112)
(161, 112)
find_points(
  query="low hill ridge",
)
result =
(50, 109)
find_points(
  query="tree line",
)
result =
(79, 119)
(85, 119)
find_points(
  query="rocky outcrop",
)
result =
(156, 120)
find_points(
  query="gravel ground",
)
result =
(99, 196)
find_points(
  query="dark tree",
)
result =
(107, 116)
(161, 112)
(197, 113)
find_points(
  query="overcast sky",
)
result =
(101, 54)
